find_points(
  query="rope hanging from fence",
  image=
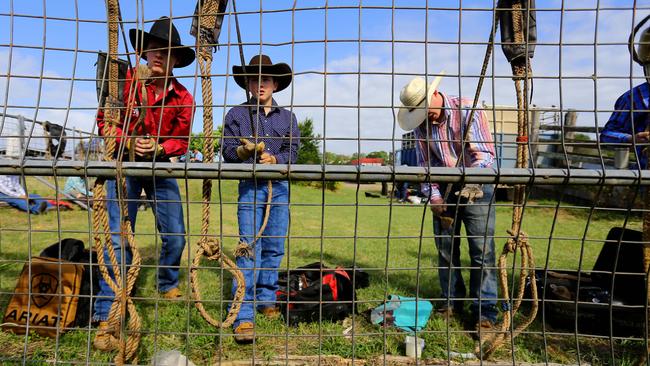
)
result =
(127, 344)
(209, 247)
(518, 240)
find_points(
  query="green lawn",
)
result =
(394, 244)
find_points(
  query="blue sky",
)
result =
(356, 106)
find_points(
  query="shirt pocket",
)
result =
(280, 129)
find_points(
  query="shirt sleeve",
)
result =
(10, 185)
(290, 144)
(177, 145)
(431, 190)
(480, 147)
(231, 134)
(618, 128)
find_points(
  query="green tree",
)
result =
(309, 143)
(197, 140)
(336, 159)
(357, 156)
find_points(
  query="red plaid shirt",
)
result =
(176, 106)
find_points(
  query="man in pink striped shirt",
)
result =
(439, 122)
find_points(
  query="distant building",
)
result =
(368, 162)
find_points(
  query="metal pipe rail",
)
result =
(346, 173)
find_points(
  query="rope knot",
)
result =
(243, 250)
(210, 247)
(520, 70)
(516, 240)
(143, 73)
(113, 103)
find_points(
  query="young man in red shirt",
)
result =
(162, 134)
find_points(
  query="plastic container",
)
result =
(170, 358)
(414, 346)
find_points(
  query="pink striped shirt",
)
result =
(439, 144)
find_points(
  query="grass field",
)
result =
(350, 230)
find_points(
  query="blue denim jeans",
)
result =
(23, 204)
(479, 221)
(168, 210)
(261, 272)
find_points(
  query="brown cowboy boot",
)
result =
(174, 293)
(271, 312)
(245, 333)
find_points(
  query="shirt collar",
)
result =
(171, 88)
(253, 103)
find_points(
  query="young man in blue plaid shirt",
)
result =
(262, 132)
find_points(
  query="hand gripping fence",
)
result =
(122, 284)
(209, 247)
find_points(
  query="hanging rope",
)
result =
(518, 240)
(208, 246)
(127, 344)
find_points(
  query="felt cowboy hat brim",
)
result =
(160, 31)
(410, 117)
(280, 72)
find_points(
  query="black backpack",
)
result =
(315, 292)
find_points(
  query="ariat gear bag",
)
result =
(56, 294)
(46, 297)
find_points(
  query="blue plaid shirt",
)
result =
(630, 117)
(278, 130)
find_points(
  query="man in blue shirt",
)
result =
(12, 192)
(629, 121)
(260, 131)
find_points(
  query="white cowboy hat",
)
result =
(414, 97)
(644, 52)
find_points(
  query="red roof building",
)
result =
(368, 161)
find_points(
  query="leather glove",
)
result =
(471, 192)
(438, 206)
(247, 149)
(267, 158)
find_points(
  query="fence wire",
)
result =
(359, 190)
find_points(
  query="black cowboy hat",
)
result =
(280, 72)
(160, 31)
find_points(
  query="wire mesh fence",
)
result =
(295, 182)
